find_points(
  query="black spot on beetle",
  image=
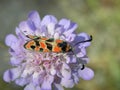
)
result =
(25, 45)
(37, 43)
(41, 49)
(50, 40)
(64, 49)
(37, 38)
(63, 46)
(33, 47)
(49, 46)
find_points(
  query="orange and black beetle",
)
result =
(43, 44)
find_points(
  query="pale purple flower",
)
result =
(45, 71)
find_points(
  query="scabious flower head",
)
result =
(47, 70)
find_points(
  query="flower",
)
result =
(46, 70)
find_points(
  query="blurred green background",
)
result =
(99, 18)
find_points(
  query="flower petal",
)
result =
(66, 71)
(46, 85)
(21, 81)
(27, 71)
(58, 87)
(52, 71)
(48, 19)
(56, 35)
(83, 37)
(24, 27)
(71, 28)
(81, 53)
(70, 37)
(7, 76)
(70, 59)
(86, 74)
(65, 23)
(42, 31)
(51, 28)
(20, 34)
(15, 61)
(34, 16)
(10, 40)
(68, 83)
(76, 78)
(38, 88)
(30, 87)
(11, 74)
(35, 78)
(31, 25)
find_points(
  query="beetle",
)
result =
(44, 44)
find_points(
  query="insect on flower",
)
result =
(47, 54)
(44, 44)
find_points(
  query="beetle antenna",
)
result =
(89, 40)
(85, 40)
(82, 65)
